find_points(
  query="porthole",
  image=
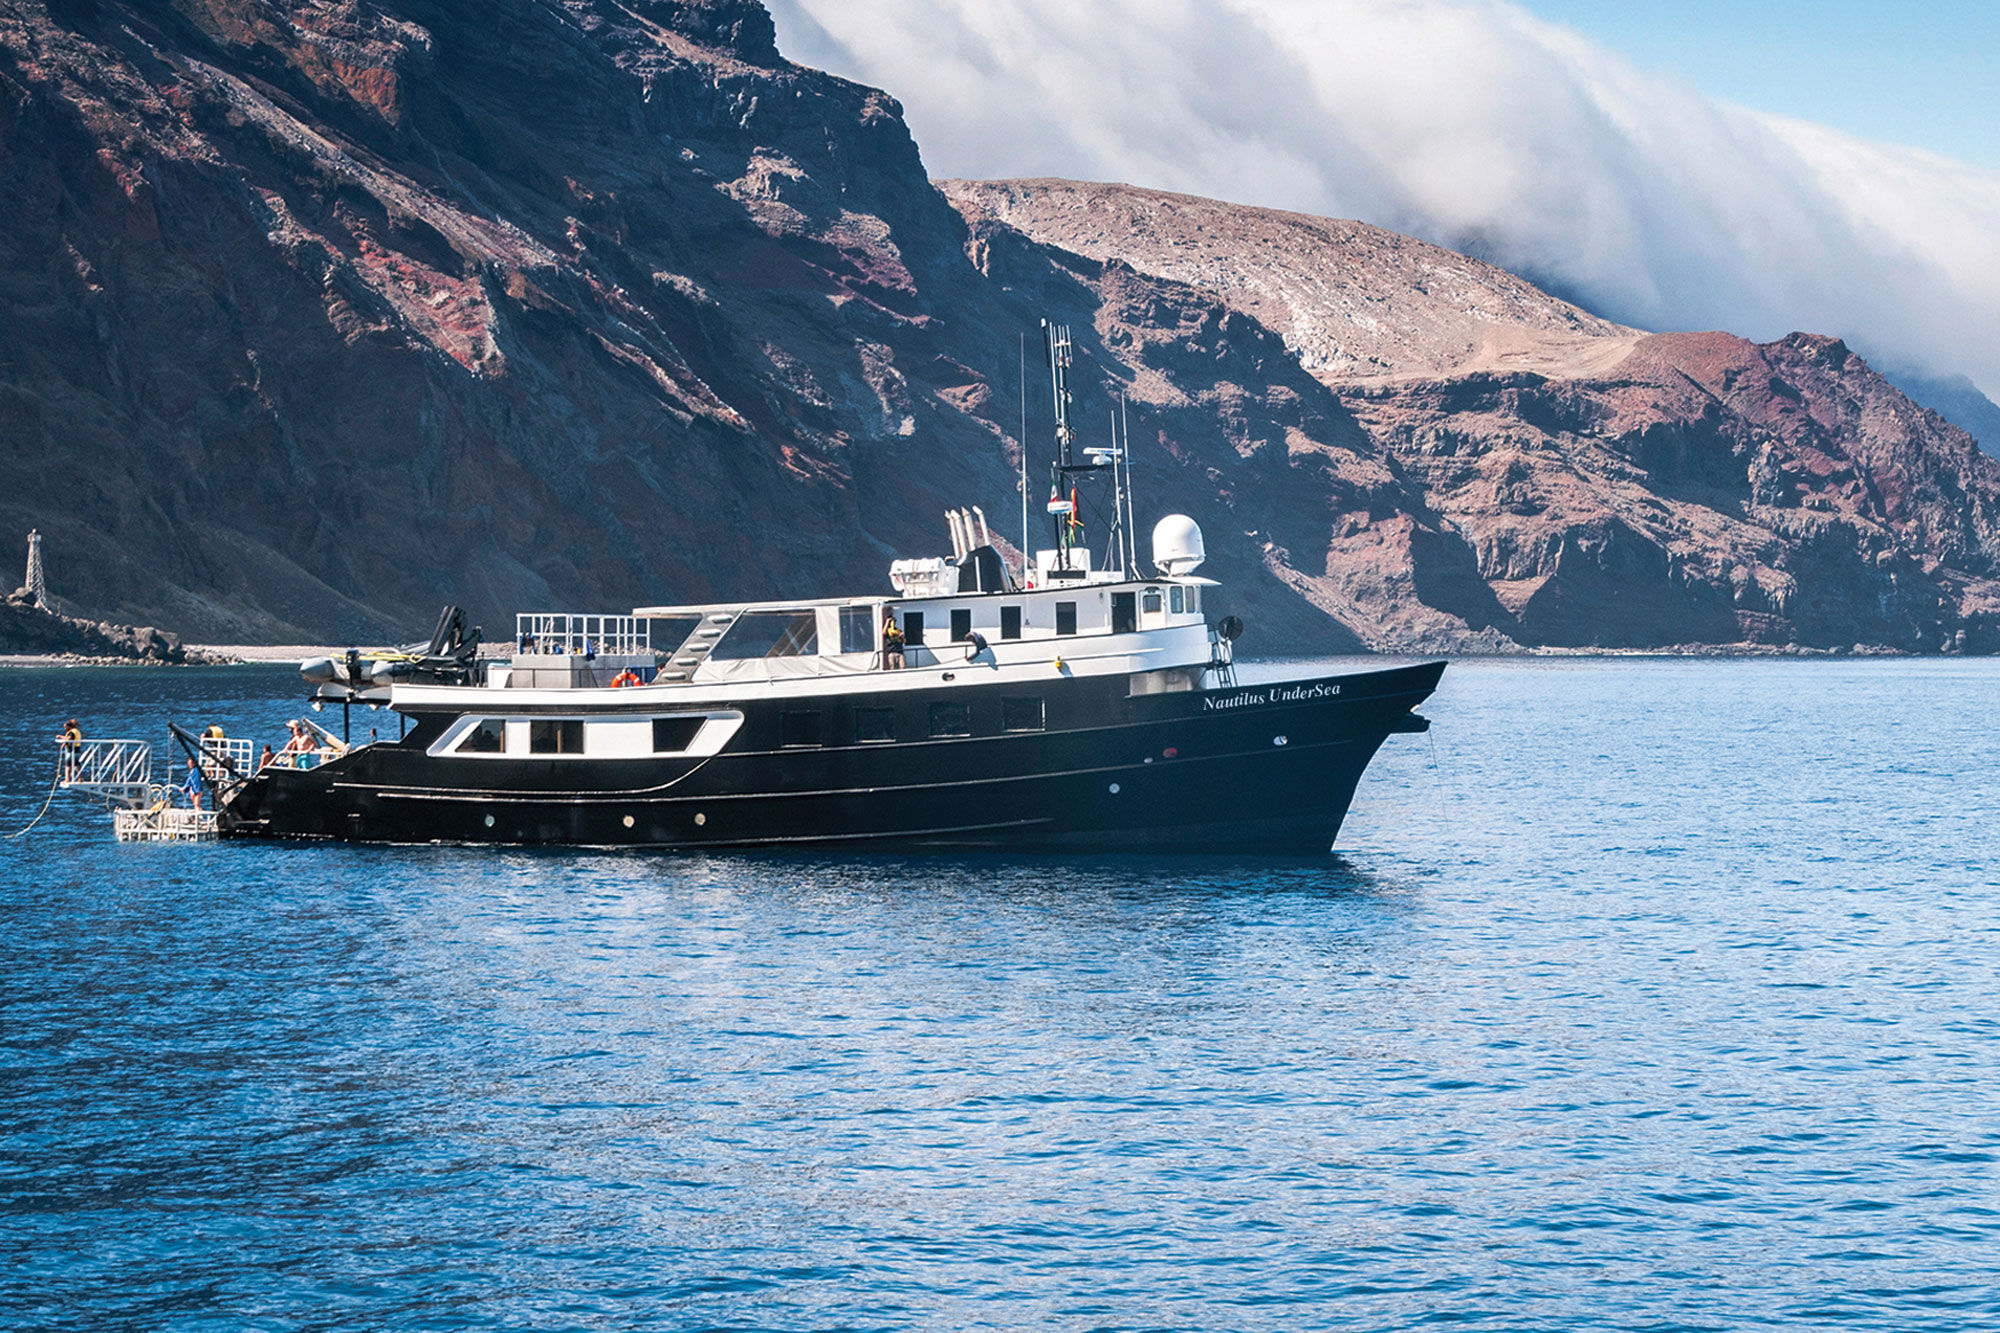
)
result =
(1114, 789)
(1278, 740)
(628, 821)
(489, 821)
(701, 819)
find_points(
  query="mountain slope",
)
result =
(323, 312)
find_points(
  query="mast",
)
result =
(1122, 548)
(1062, 490)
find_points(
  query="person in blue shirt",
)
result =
(195, 785)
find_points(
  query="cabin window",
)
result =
(1010, 622)
(769, 634)
(961, 623)
(1022, 715)
(672, 735)
(489, 737)
(1151, 604)
(874, 724)
(1174, 599)
(1194, 599)
(555, 737)
(1065, 617)
(1124, 613)
(913, 628)
(857, 629)
(951, 720)
(800, 729)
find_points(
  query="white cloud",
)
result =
(1467, 122)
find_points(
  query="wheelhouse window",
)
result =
(1010, 622)
(1022, 715)
(673, 735)
(857, 630)
(1174, 599)
(874, 724)
(800, 729)
(1194, 599)
(951, 720)
(1065, 617)
(555, 737)
(769, 634)
(489, 737)
(1151, 603)
(961, 623)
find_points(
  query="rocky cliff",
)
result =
(1564, 481)
(323, 312)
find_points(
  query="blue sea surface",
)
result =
(1641, 994)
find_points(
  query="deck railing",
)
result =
(561, 633)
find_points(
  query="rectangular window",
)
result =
(1022, 715)
(913, 628)
(769, 634)
(1151, 604)
(857, 629)
(801, 729)
(1194, 599)
(1124, 613)
(1065, 617)
(555, 737)
(671, 735)
(951, 720)
(489, 737)
(961, 623)
(874, 724)
(1174, 599)
(1010, 622)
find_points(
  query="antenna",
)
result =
(1131, 513)
(1023, 437)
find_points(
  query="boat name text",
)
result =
(1277, 694)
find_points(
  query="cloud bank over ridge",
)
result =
(1466, 122)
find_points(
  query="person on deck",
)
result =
(892, 643)
(195, 785)
(298, 747)
(266, 759)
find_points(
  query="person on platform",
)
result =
(195, 785)
(72, 748)
(892, 643)
(266, 759)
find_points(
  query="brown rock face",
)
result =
(1515, 467)
(320, 313)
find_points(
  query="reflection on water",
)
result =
(1643, 994)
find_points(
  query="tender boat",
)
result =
(1076, 703)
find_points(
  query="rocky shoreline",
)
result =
(32, 635)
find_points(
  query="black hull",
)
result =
(1267, 768)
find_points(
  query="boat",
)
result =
(1069, 701)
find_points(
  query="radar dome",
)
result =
(1177, 546)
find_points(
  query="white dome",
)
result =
(1177, 545)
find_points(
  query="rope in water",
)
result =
(54, 783)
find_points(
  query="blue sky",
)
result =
(1925, 74)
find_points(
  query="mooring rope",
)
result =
(54, 783)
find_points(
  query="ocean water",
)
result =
(1641, 994)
